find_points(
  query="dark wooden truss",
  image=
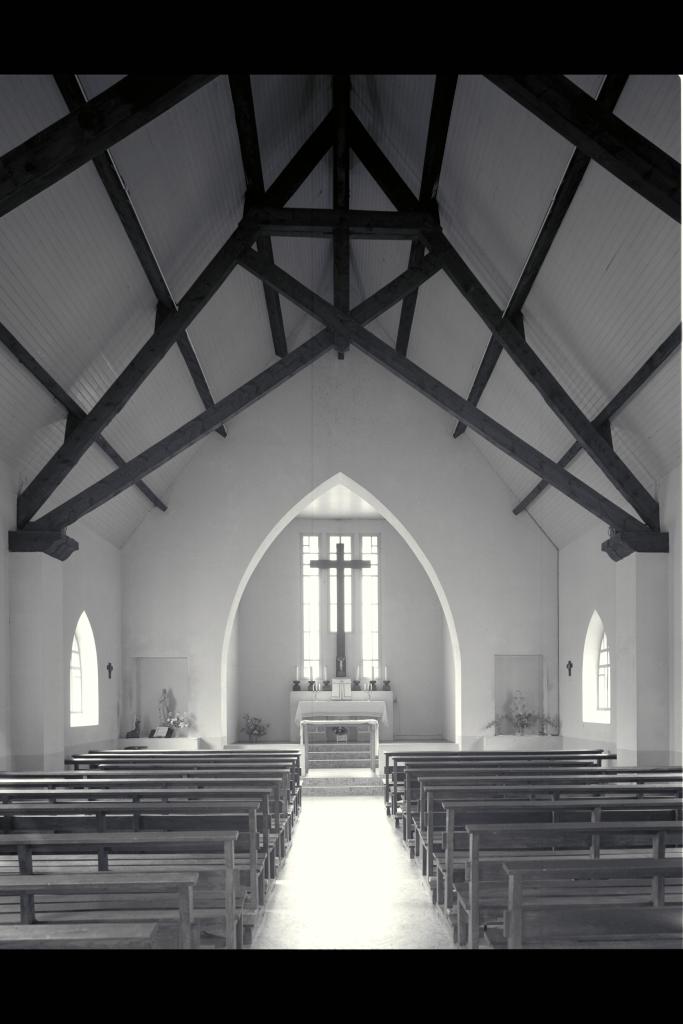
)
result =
(416, 218)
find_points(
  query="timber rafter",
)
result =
(74, 97)
(416, 218)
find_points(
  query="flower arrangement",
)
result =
(521, 719)
(254, 727)
(340, 730)
(179, 720)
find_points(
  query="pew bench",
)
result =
(210, 853)
(490, 845)
(62, 893)
(541, 898)
(128, 935)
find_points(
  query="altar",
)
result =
(333, 705)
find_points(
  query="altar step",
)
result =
(323, 747)
(341, 782)
(356, 762)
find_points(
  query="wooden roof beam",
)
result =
(543, 380)
(632, 386)
(114, 484)
(247, 132)
(75, 98)
(74, 412)
(72, 141)
(167, 331)
(338, 321)
(569, 110)
(437, 134)
(610, 92)
(341, 242)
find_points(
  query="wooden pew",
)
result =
(239, 814)
(274, 822)
(127, 935)
(505, 779)
(444, 790)
(393, 759)
(61, 887)
(497, 840)
(208, 852)
(541, 895)
(454, 859)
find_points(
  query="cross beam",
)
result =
(437, 134)
(69, 143)
(494, 432)
(247, 132)
(152, 458)
(153, 351)
(75, 98)
(632, 386)
(610, 92)
(74, 412)
(340, 564)
(600, 135)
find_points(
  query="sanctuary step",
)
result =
(339, 755)
(344, 781)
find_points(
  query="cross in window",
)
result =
(339, 563)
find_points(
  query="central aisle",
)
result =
(349, 883)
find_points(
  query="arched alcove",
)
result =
(591, 711)
(84, 697)
(453, 693)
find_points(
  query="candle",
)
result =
(357, 671)
(324, 671)
(386, 674)
(310, 671)
(297, 673)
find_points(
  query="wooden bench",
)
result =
(541, 895)
(433, 792)
(515, 786)
(454, 860)
(503, 841)
(127, 935)
(210, 853)
(239, 814)
(393, 774)
(60, 888)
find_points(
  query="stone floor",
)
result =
(348, 883)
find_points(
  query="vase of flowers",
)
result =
(178, 723)
(341, 733)
(522, 719)
(254, 727)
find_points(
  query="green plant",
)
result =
(254, 727)
(521, 719)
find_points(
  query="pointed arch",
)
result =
(84, 697)
(452, 685)
(595, 675)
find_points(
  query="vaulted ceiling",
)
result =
(534, 217)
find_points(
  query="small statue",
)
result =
(135, 731)
(164, 708)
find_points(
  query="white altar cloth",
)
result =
(376, 709)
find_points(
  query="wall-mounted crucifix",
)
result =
(340, 564)
(570, 666)
(110, 668)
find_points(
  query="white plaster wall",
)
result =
(411, 627)
(587, 584)
(183, 568)
(7, 522)
(91, 582)
(670, 515)
(639, 602)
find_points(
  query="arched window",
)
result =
(596, 676)
(84, 700)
